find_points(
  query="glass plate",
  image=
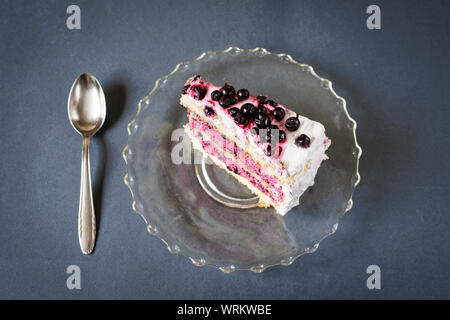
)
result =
(179, 208)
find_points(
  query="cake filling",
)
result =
(235, 160)
(200, 127)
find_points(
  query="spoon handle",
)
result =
(86, 215)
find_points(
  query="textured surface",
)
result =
(395, 81)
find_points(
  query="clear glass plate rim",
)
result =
(261, 51)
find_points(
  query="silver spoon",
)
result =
(87, 111)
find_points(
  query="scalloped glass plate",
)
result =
(172, 200)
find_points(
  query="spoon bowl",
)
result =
(86, 105)
(87, 112)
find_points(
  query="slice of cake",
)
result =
(264, 145)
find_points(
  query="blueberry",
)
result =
(261, 116)
(262, 121)
(240, 119)
(281, 135)
(303, 141)
(233, 112)
(255, 130)
(262, 110)
(245, 109)
(225, 102)
(216, 95)
(232, 100)
(227, 90)
(292, 124)
(273, 126)
(261, 99)
(209, 111)
(279, 113)
(200, 92)
(248, 110)
(243, 94)
(252, 111)
(272, 103)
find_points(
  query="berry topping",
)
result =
(185, 88)
(255, 130)
(245, 109)
(232, 100)
(273, 126)
(262, 121)
(262, 110)
(248, 110)
(243, 94)
(292, 124)
(261, 99)
(209, 111)
(279, 113)
(225, 102)
(196, 77)
(303, 141)
(227, 90)
(233, 112)
(199, 92)
(240, 119)
(281, 135)
(216, 95)
(272, 103)
(252, 111)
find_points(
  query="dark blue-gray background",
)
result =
(395, 80)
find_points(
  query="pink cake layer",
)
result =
(199, 126)
(211, 148)
(234, 167)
